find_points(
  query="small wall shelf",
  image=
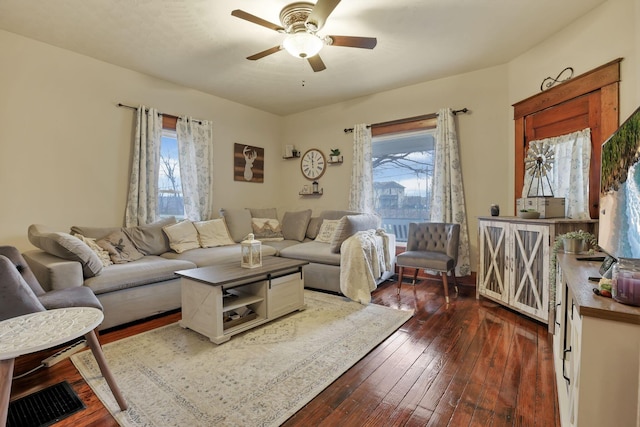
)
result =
(311, 193)
(295, 156)
(335, 162)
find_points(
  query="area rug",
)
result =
(176, 377)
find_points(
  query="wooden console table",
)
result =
(596, 349)
(209, 294)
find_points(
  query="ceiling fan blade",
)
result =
(321, 12)
(264, 53)
(316, 63)
(348, 41)
(252, 18)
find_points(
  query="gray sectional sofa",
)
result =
(144, 284)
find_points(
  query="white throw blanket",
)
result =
(364, 257)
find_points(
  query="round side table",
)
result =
(45, 329)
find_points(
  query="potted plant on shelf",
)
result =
(571, 242)
(335, 155)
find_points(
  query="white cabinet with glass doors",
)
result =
(515, 261)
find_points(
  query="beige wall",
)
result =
(65, 146)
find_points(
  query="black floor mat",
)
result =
(44, 407)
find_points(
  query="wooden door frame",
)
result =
(605, 80)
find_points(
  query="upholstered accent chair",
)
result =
(431, 246)
(21, 293)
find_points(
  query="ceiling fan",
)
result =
(300, 22)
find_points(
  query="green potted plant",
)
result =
(335, 155)
(571, 242)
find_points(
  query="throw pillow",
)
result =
(101, 253)
(183, 236)
(350, 225)
(213, 233)
(120, 247)
(65, 246)
(149, 238)
(327, 230)
(267, 229)
(238, 222)
(264, 213)
(294, 224)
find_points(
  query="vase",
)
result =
(574, 246)
(495, 210)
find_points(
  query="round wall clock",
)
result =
(313, 164)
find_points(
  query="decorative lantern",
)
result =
(315, 187)
(251, 252)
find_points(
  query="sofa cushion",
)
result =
(150, 239)
(213, 233)
(66, 246)
(351, 224)
(313, 252)
(294, 224)
(327, 230)
(266, 229)
(314, 227)
(93, 232)
(121, 249)
(183, 236)
(209, 256)
(146, 270)
(238, 222)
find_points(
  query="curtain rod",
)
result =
(119, 104)
(410, 119)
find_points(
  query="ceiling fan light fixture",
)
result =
(302, 44)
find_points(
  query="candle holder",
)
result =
(251, 252)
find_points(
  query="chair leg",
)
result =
(415, 275)
(455, 281)
(400, 275)
(445, 283)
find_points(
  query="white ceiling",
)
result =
(198, 44)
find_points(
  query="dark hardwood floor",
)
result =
(468, 363)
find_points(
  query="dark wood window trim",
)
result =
(169, 122)
(405, 125)
(601, 85)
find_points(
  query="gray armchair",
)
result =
(431, 246)
(20, 292)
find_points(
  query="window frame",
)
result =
(419, 123)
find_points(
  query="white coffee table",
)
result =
(270, 291)
(45, 329)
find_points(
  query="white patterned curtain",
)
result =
(142, 201)
(361, 193)
(569, 175)
(195, 154)
(447, 198)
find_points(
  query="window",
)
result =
(402, 177)
(170, 201)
